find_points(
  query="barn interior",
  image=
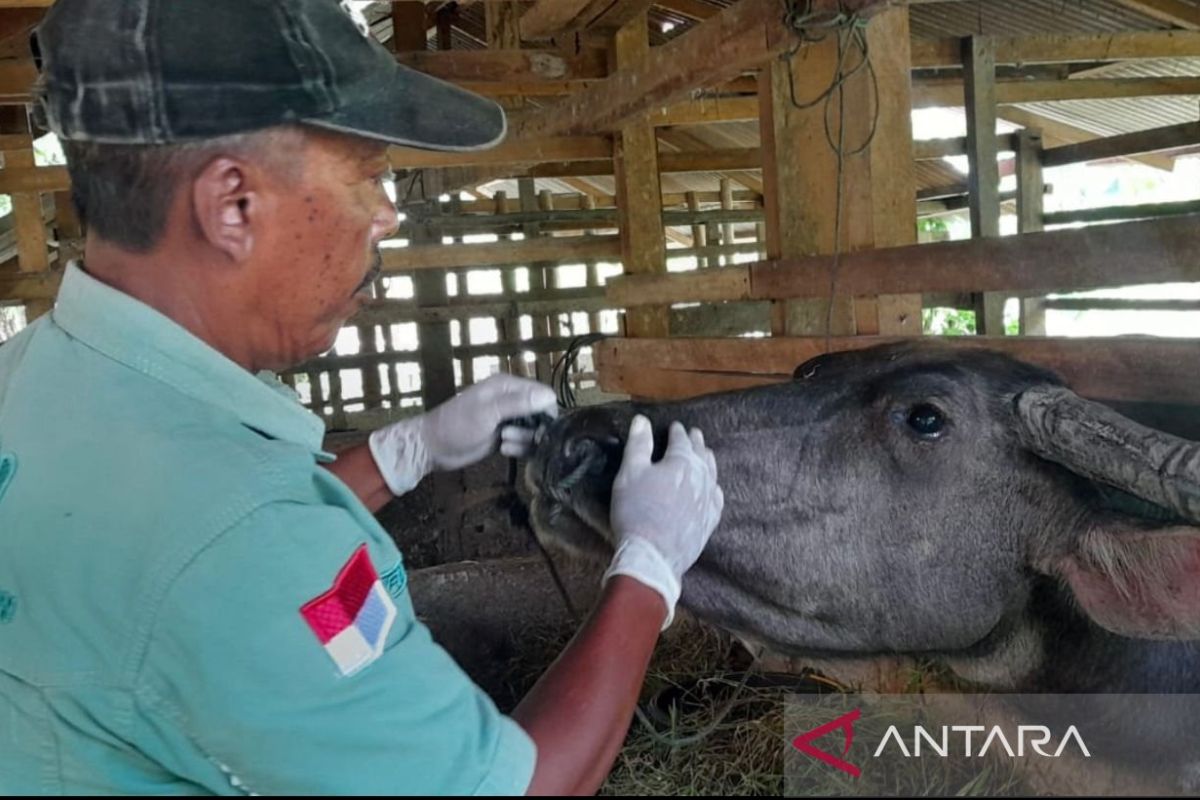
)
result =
(698, 196)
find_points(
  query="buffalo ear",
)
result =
(1136, 580)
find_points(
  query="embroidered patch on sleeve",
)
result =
(353, 618)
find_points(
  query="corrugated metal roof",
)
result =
(1126, 115)
(1016, 17)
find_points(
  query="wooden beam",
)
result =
(1151, 251)
(1115, 369)
(28, 287)
(948, 94)
(18, 179)
(1059, 133)
(483, 256)
(1064, 48)
(512, 151)
(687, 142)
(1172, 12)
(499, 66)
(745, 35)
(707, 110)
(1129, 144)
(549, 19)
(1122, 213)
(930, 149)
(692, 9)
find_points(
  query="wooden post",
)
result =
(539, 280)
(588, 202)
(639, 190)
(699, 232)
(1031, 191)
(800, 174)
(33, 253)
(979, 84)
(727, 233)
(409, 33)
(509, 325)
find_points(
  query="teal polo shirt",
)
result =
(189, 602)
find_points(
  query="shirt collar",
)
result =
(134, 334)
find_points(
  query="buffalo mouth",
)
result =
(570, 480)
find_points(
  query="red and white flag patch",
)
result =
(353, 618)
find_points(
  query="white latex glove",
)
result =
(663, 514)
(461, 431)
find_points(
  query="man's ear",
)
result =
(229, 204)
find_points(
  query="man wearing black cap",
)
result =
(194, 596)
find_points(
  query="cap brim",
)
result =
(413, 109)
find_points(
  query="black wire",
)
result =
(560, 375)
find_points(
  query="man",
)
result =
(194, 598)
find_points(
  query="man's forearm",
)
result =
(356, 468)
(580, 710)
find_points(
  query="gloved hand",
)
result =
(461, 431)
(663, 514)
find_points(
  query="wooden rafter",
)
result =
(745, 35)
(548, 19)
(1173, 12)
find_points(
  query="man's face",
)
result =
(318, 257)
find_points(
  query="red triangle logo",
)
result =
(845, 723)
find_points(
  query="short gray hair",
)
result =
(123, 193)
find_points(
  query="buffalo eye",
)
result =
(926, 420)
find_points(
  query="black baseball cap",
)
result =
(166, 71)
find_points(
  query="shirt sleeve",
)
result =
(246, 685)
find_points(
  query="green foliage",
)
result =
(947, 322)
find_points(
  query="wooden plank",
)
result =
(1103, 368)
(22, 286)
(1064, 48)
(930, 149)
(1150, 251)
(693, 9)
(708, 285)
(560, 249)
(734, 159)
(1173, 12)
(745, 35)
(560, 148)
(948, 94)
(1129, 144)
(1122, 213)
(639, 191)
(509, 65)
(706, 110)
(17, 179)
(549, 19)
